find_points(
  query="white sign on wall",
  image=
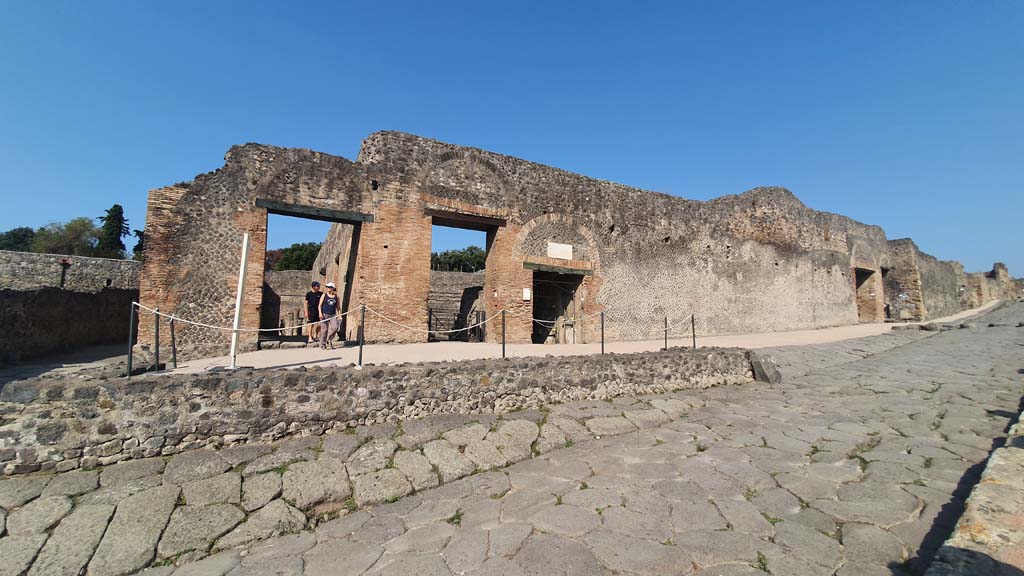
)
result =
(526, 295)
(560, 251)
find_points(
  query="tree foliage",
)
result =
(300, 256)
(468, 259)
(114, 227)
(140, 244)
(17, 239)
(76, 237)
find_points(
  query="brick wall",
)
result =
(30, 271)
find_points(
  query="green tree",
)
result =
(140, 244)
(17, 239)
(298, 256)
(115, 226)
(76, 237)
(468, 259)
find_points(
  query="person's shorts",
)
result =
(312, 318)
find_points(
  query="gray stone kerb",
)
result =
(67, 423)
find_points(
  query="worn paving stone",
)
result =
(73, 542)
(340, 446)
(416, 468)
(38, 515)
(638, 525)
(341, 558)
(306, 484)
(451, 465)
(129, 470)
(194, 465)
(467, 550)
(243, 453)
(689, 516)
(380, 486)
(114, 494)
(405, 564)
(372, 456)
(572, 429)
(129, 543)
(646, 419)
(708, 547)
(15, 492)
(566, 520)
(548, 555)
(628, 555)
(485, 454)
(73, 483)
(218, 564)
(272, 520)
(743, 516)
(18, 552)
(461, 436)
(223, 488)
(610, 426)
(195, 527)
(259, 490)
(551, 438)
(276, 460)
(808, 545)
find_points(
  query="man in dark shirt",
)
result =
(313, 311)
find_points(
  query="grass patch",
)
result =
(701, 447)
(558, 499)
(761, 563)
(764, 442)
(771, 519)
(584, 486)
(350, 505)
(928, 461)
(750, 493)
(668, 542)
(455, 519)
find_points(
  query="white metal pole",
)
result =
(238, 299)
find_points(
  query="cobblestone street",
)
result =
(856, 464)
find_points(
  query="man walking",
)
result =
(313, 312)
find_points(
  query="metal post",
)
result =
(666, 332)
(602, 331)
(502, 332)
(693, 330)
(237, 324)
(156, 340)
(131, 337)
(174, 347)
(362, 333)
(430, 321)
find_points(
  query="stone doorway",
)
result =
(555, 307)
(869, 295)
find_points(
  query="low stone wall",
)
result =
(988, 538)
(30, 271)
(39, 322)
(65, 424)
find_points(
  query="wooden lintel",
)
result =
(557, 269)
(313, 213)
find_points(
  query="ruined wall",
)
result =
(758, 261)
(65, 424)
(941, 281)
(284, 299)
(454, 298)
(30, 271)
(49, 320)
(40, 318)
(332, 260)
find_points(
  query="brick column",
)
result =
(504, 281)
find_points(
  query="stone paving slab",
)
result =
(845, 466)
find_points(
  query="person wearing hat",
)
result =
(329, 305)
(313, 311)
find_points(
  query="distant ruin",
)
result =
(560, 247)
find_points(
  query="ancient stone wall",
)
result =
(30, 271)
(759, 261)
(63, 424)
(941, 281)
(284, 300)
(48, 320)
(454, 301)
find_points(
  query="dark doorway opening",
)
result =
(868, 295)
(555, 307)
(459, 250)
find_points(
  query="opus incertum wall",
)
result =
(759, 261)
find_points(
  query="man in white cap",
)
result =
(329, 308)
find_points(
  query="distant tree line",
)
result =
(468, 259)
(299, 256)
(78, 237)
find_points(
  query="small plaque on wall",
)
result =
(560, 251)
(526, 295)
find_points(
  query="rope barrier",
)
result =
(225, 329)
(544, 323)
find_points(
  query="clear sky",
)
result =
(904, 114)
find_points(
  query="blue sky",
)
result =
(903, 114)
